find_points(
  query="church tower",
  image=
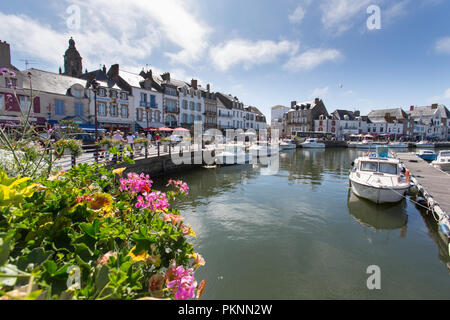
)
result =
(73, 65)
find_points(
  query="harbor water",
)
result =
(299, 233)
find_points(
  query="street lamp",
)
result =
(94, 85)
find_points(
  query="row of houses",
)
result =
(124, 100)
(307, 118)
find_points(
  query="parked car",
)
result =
(86, 138)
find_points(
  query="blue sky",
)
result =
(264, 52)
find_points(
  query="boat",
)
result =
(424, 144)
(367, 143)
(443, 161)
(312, 143)
(428, 155)
(378, 178)
(288, 145)
(263, 149)
(232, 154)
(398, 145)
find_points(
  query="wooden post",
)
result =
(159, 153)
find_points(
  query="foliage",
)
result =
(143, 141)
(90, 234)
(68, 127)
(74, 146)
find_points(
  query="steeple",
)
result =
(73, 65)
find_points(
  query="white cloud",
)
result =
(312, 58)
(113, 31)
(248, 53)
(339, 15)
(447, 94)
(297, 16)
(443, 45)
(320, 92)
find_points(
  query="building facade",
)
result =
(300, 119)
(430, 122)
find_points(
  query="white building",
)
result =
(430, 122)
(192, 104)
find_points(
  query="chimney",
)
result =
(208, 87)
(317, 101)
(357, 113)
(293, 104)
(166, 76)
(5, 54)
(194, 84)
(114, 71)
(411, 108)
(104, 68)
(434, 106)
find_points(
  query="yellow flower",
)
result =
(188, 231)
(141, 256)
(119, 172)
(102, 204)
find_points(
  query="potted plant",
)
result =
(141, 143)
(66, 147)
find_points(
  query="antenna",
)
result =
(28, 62)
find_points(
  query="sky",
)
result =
(353, 54)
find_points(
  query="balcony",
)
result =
(175, 110)
(226, 115)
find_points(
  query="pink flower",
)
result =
(3, 71)
(136, 184)
(181, 282)
(104, 260)
(181, 186)
(155, 201)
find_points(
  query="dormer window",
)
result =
(124, 96)
(114, 94)
(101, 92)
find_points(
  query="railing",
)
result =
(172, 110)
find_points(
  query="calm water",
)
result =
(301, 234)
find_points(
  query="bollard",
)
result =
(74, 161)
(158, 150)
(146, 151)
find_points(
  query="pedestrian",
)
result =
(130, 140)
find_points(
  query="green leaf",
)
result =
(9, 270)
(5, 249)
(102, 279)
(51, 267)
(37, 256)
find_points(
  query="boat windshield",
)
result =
(388, 168)
(369, 166)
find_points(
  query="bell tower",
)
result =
(73, 65)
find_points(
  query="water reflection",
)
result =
(379, 217)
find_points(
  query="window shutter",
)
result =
(11, 103)
(37, 105)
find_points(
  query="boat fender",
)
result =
(408, 176)
(445, 230)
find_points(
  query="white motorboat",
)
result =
(379, 178)
(288, 145)
(443, 161)
(367, 143)
(263, 149)
(313, 143)
(233, 154)
(424, 144)
(398, 145)
(428, 155)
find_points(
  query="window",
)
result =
(191, 118)
(114, 94)
(153, 102)
(143, 97)
(124, 111)
(388, 168)
(77, 93)
(78, 109)
(102, 109)
(2, 102)
(124, 96)
(369, 166)
(101, 92)
(199, 118)
(59, 107)
(199, 107)
(171, 106)
(184, 118)
(191, 105)
(139, 115)
(185, 104)
(23, 104)
(171, 91)
(13, 82)
(114, 110)
(157, 116)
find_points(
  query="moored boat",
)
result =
(313, 143)
(428, 155)
(287, 145)
(233, 154)
(379, 178)
(424, 144)
(443, 161)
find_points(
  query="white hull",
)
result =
(313, 145)
(444, 166)
(366, 146)
(378, 195)
(288, 147)
(398, 146)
